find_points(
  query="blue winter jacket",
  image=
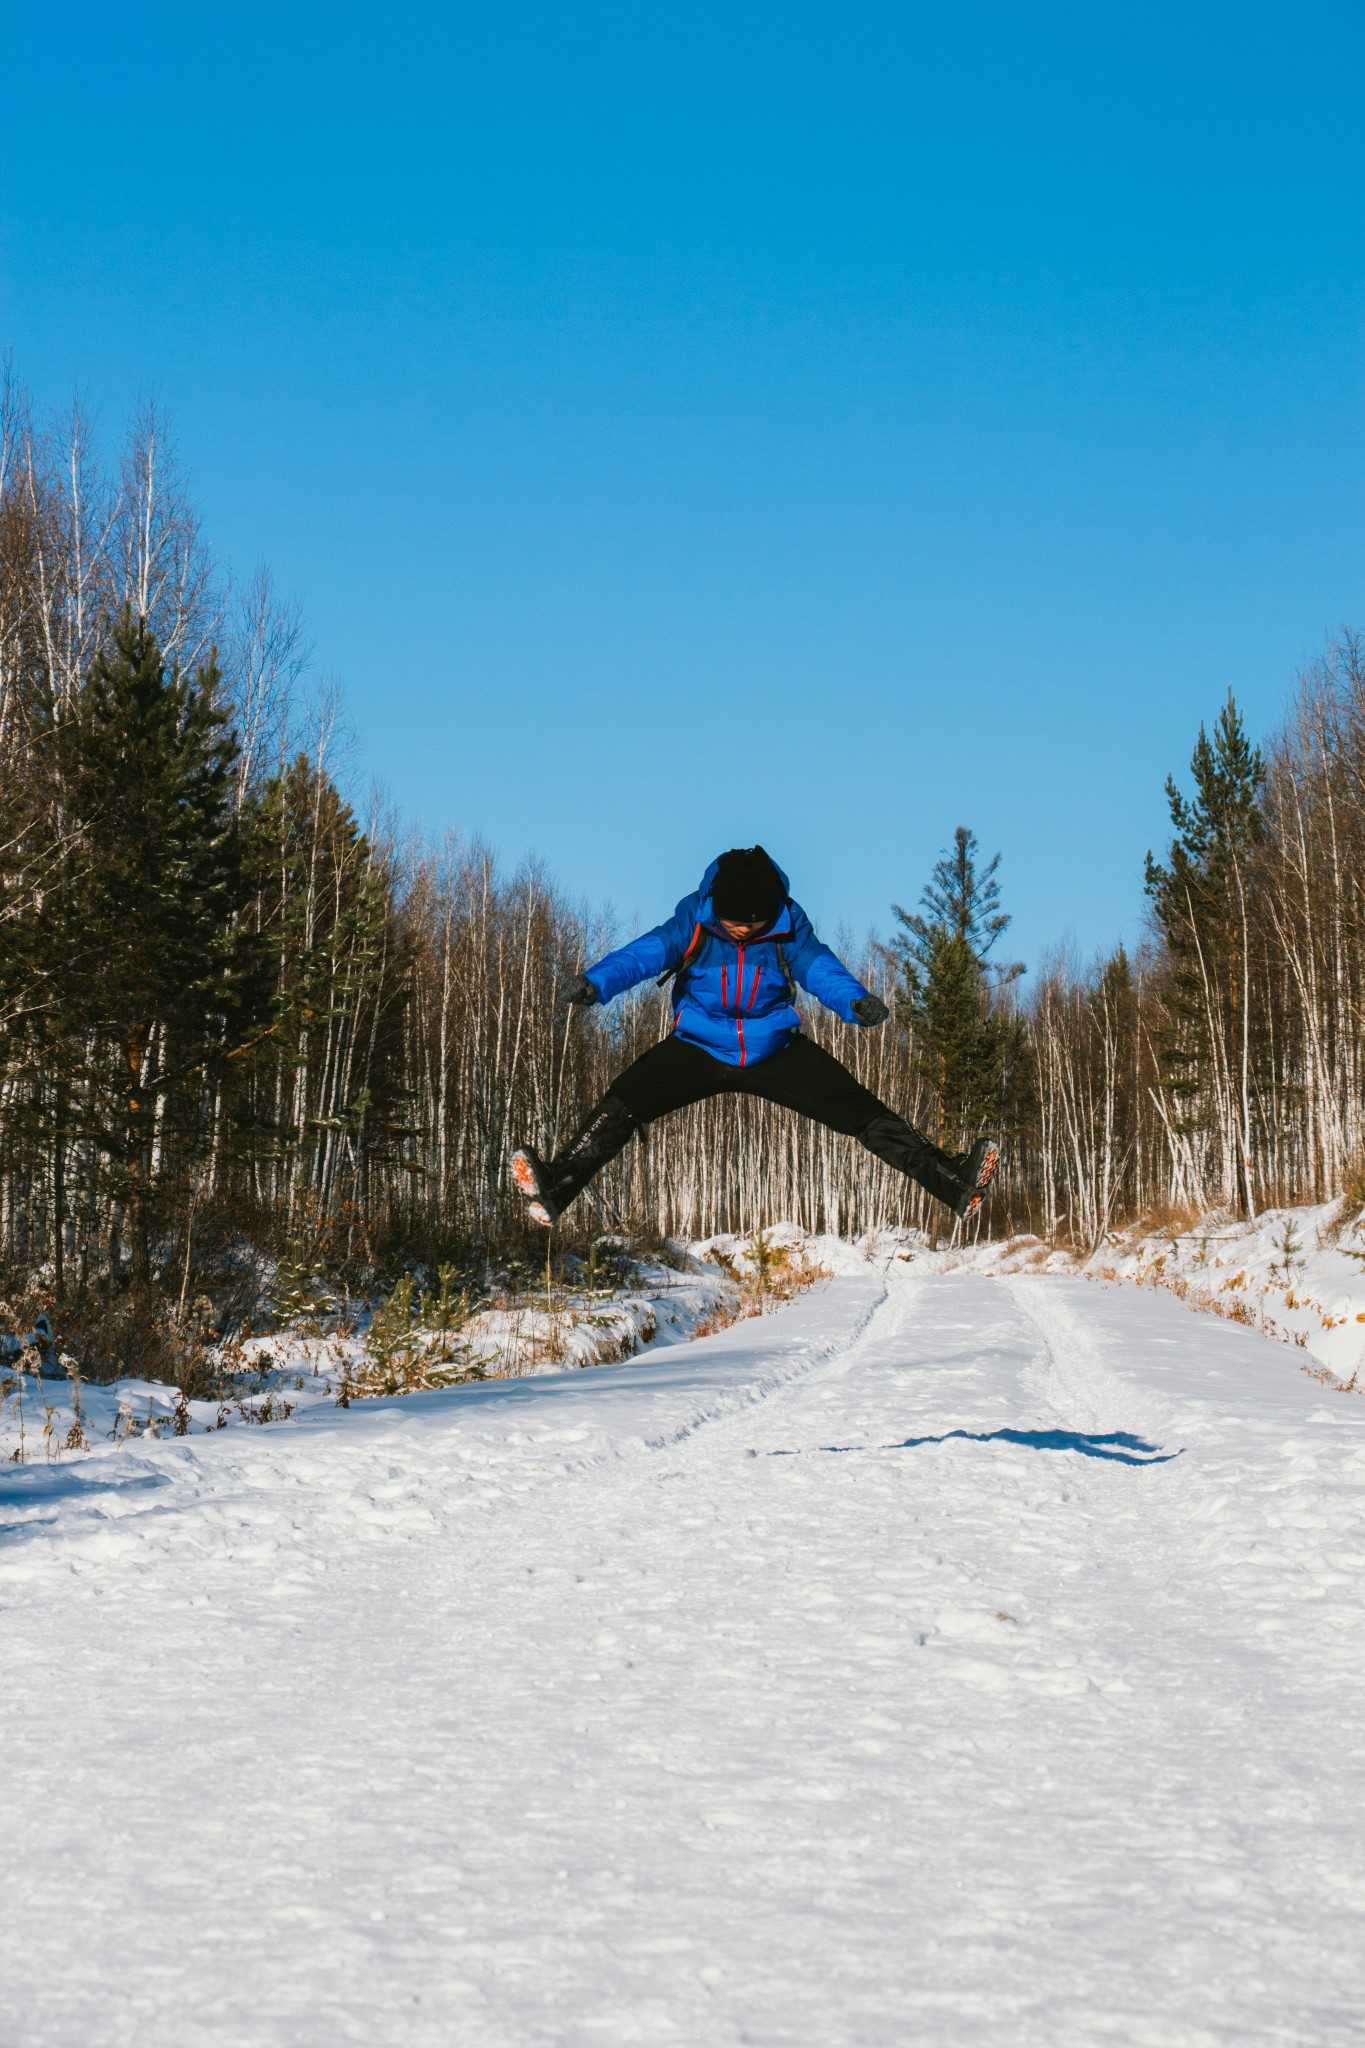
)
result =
(734, 1001)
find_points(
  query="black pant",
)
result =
(802, 1076)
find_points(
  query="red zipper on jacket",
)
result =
(739, 1004)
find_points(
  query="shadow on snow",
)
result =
(1119, 1446)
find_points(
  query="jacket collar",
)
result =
(780, 928)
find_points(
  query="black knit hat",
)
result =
(747, 887)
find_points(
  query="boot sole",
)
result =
(538, 1206)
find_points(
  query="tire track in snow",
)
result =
(363, 1474)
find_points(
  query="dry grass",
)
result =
(1231, 1301)
(1325, 1377)
(770, 1275)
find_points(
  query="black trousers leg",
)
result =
(804, 1077)
(669, 1076)
(596, 1142)
(674, 1075)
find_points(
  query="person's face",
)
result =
(742, 933)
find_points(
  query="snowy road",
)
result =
(949, 1660)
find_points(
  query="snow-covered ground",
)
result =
(950, 1658)
(1296, 1274)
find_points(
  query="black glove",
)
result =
(580, 990)
(870, 1010)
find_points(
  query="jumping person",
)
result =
(731, 952)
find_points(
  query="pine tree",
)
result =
(1200, 899)
(155, 980)
(969, 1042)
(957, 899)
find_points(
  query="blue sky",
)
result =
(687, 425)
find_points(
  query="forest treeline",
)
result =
(234, 1011)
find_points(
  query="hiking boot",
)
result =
(977, 1171)
(534, 1183)
(548, 1186)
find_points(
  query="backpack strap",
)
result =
(786, 971)
(694, 946)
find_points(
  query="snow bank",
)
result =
(281, 1376)
(1296, 1274)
